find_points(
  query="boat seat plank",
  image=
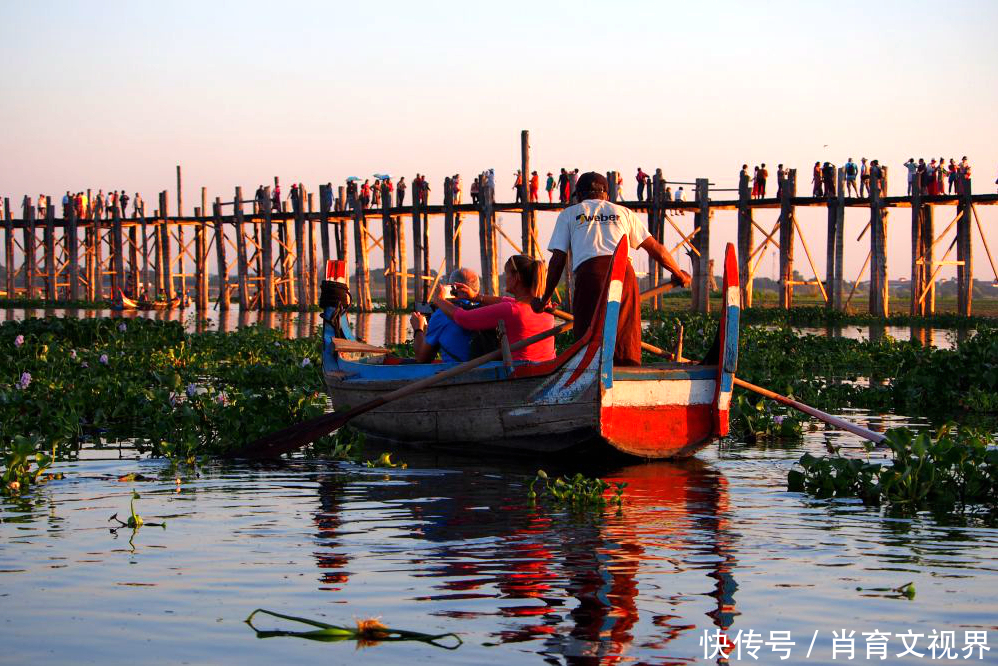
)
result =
(346, 346)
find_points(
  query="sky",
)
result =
(116, 94)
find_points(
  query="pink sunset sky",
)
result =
(114, 95)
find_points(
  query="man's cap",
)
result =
(592, 182)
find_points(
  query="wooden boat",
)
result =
(662, 410)
(122, 302)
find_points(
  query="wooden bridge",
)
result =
(278, 254)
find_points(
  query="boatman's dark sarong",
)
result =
(589, 280)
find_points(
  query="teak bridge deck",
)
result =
(123, 253)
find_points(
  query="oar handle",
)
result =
(848, 426)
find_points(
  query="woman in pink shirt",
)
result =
(524, 280)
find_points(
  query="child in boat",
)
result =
(524, 280)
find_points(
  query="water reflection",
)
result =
(572, 582)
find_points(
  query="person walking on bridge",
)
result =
(591, 230)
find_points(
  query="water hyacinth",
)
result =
(103, 359)
(122, 327)
(305, 362)
(192, 389)
(18, 341)
(222, 399)
(24, 381)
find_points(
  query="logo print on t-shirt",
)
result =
(582, 217)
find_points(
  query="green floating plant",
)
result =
(367, 632)
(385, 460)
(906, 591)
(577, 492)
(135, 521)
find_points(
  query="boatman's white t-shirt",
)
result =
(593, 228)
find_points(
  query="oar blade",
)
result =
(276, 444)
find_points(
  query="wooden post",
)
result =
(417, 247)
(655, 223)
(242, 264)
(403, 279)
(964, 250)
(526, 220)
(611, 179)
(141, 212)
(180, 235)
(787, 239)
(98, 250)
(388, 246)
(201, 259)
(836, 217)
(426, 256)
(325, 203)
(301, 251)
(701, 264)
(266, 254)
(313, 271)
(928, 236)
(363, 273)
(8, 247)
(117, 252)
(449, 225)
(223, 265)
(838, 286)
(30, 268)
(879, 304)
(72, 251)
(342, 238)
(746, 234)
(51, 265)
(918, 275)
(457, 239)
(133, 258)
(166, 266)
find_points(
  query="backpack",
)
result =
(482, 342)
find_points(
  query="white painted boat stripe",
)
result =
(661, 392)
(616, 289)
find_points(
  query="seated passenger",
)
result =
(524, 280)
(441, 333)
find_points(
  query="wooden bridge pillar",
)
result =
(201, 259)
(879, 295)
(362, 268)
(342, 237)
(30, 267)
(301, 251)
(611, 179)
(242, 261)
(266, 254)
(398, 224)
(164, 245)
(745, 239)
(51, 264)
(72, 241)
(834, 248)
(701, 265)
(528, 224)
(417, 247)
(388, 244)
(325, 205)
(787, 235)
(117, 252)
(449, 225)
(8, 247)
(964, 251)
(223, 264)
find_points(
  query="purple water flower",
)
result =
(84, 364)
(72, 354)
(25, 380)
(778, 419)
(305, 362)
(122, 327)
(191, 390)
(18, 341)
(103, 359)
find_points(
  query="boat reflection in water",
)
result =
(587, 588)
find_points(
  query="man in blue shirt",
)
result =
(441, 333)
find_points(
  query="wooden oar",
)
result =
(848, 426)
(297, 436)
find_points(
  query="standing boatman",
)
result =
(591, 229)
